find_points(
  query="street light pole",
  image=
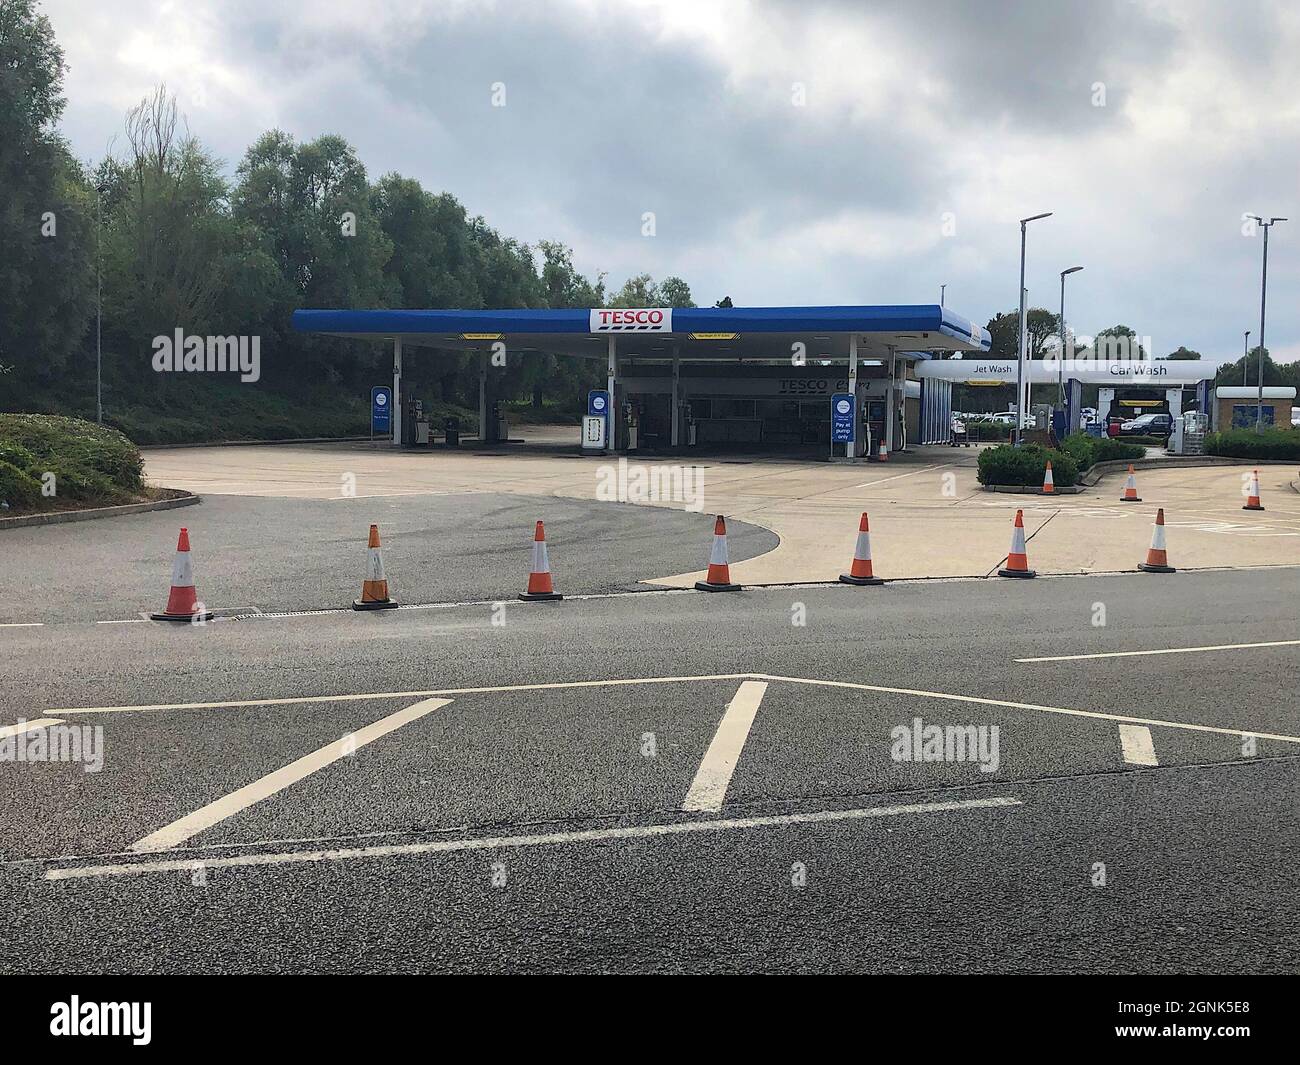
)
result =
(1245, 357)
(99, 307)
(1060, 376)
(941, 288)
(1263, 295)
(1020, 336)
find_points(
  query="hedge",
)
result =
(1272, 443)
(90, 463)
(1026, 466)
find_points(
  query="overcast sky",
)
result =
(810, 152)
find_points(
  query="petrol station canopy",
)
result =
(703, 333)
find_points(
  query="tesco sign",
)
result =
(632, 320)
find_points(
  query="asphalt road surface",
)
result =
(670, 781)
(258, 554)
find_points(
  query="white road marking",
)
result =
(1138, 747)
(365, 696)
(496, 842)
(909, 473)
(28, 726)
(22, 625)
(561, 685)
(192, 824)
(1163, 651)
(709, 788)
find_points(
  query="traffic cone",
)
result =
(1049, 486)
(860, 573)
(1017, 561)
(719, 577)
(182, 602)
(883, 452)
(1157, 558)
(1253, 503)
(539, 579)
(1130, 488)
(374, 589)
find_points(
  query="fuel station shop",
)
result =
(816, 381)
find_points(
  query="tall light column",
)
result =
(1020, 360)
(1263, 296)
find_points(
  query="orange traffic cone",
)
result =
(1049, 486)
(374, 589)
(539, 579)
(1157, 558)
(1252, 502)
(1017, 561)
(1130, 488)
(719, 576)
(182, 602)
(883, 453)
(860, 573)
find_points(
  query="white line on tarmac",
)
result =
(28, 726)
(560, 685)
(1138, 747)
(493, 843)
(22, 625)
(124, 621)
(709, 788)
(909, 473)
(1162, 651)
(1018, 706)
(192, 824)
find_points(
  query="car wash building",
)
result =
(816, 381)
(1124, 387)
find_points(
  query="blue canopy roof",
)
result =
(759, 331)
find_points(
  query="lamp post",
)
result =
(1060, 377)
(941, 288)
(1020, 336)
(1245, 357)
(1263, 294)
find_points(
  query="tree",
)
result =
(725, 302)
(674, 292)
(1184, 354)
(47, 212)
(1119, 342)
(1040, 326)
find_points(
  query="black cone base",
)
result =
(374, 604)
(705, 586)
(1017, 573)
(193, 619)
(1146, 567)
(861, 580)
(534, 597)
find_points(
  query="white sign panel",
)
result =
(593, 432)
(1096, 372)
(631, 320)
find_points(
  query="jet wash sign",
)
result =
(632, 320)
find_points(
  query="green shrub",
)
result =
(90, 463)
(1272, 443)
(1026, 466)
(1111, 450)
(18, 489)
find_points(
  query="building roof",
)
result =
(695, 332)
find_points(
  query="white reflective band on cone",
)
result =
(718, 556)
(863, 550)
(541, 564)
(1017, 540)
(1158, 537)
(182, 572)
(376, 565)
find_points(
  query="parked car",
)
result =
(1148, 425)
(1087, 415)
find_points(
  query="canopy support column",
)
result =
(397, 392)
(677, 398)
(612, 381)
(851, 448)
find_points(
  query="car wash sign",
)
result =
(631, 320)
